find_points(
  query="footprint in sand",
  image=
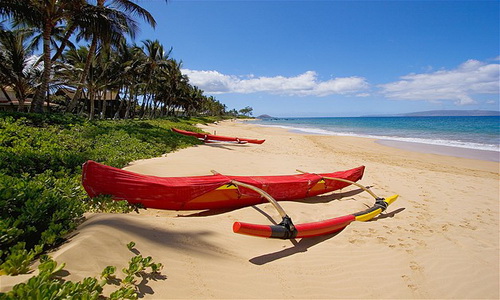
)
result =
(414, 266)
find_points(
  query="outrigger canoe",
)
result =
(219, 191)
(217, 138)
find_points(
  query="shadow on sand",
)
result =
(311, 200)
(305, 243)
(298, 247)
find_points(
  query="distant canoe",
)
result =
(217, 138)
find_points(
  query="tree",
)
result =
(128, 61)
(247, 111)
(155, 60)
(108, 27)
(44, 16)
(172, 91)
(17, 64)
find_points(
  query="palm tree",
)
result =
(43, 15)
(17, 64)
(155, 61)
(173, 89)
(126, 62)
(108, 27)
(58, 39)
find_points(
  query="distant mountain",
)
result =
(444, 113)
(265, 117)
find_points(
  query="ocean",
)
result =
(478, 133)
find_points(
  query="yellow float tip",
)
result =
(391, 199)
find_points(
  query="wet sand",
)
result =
(444, 150)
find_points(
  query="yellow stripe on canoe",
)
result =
(227, 187)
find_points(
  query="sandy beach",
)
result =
(439, 240)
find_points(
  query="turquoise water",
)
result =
(481, 133)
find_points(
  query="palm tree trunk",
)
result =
(20, 100)
(64, 42)
(127, 110)
(37, 103)
(6, 95)
(81, 83)
(84, 106)
(92, 104)
(98, 97)
(119, 109)
(142, 112)
(154, 105)
(104, 104)
(48, 102)
(122, 101)
(130, 104)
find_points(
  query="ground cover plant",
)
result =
(48, 285)
(41, 197)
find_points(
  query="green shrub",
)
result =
(41, 197)
(38, 209)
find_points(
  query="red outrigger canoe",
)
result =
(220, 191)
(217, 138)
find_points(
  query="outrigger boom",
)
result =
(287, 230)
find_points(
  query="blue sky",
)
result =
(335, 58)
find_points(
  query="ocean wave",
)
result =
(430, 141)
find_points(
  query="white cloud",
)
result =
(470, 78)
(210, 80)
(306, 84)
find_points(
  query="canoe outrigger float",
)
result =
(219, 191)
(210, 138)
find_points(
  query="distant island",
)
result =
(265, 117)
(444, 113)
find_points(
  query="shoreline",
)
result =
(422, 147)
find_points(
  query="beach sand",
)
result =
(440, 239)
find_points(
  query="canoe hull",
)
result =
(217, 138)
(206, 192)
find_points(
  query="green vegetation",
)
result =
(41, 197)
(47, 285)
